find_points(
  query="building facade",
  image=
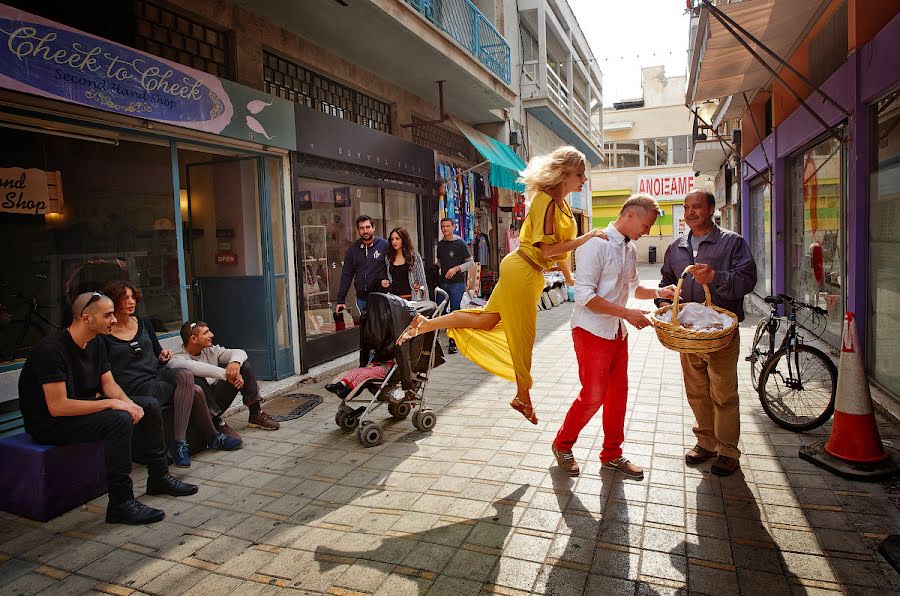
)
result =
(648, 144)
(819, 173)
(227, 178)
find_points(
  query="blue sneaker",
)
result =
(181, 454)
(225, 443)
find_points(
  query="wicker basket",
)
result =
(687, 341)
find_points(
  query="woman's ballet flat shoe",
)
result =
(412, 330)
(527, 410)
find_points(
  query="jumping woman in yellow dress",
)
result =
(500, 336)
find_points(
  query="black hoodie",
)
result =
(365, 266)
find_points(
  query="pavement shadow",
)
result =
(748, 546)
(485, 533)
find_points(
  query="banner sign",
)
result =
(667, 186)
(27, 191)
(48, 59)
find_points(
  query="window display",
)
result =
(116, 222)
(326, 224)
(815, 272)
(884, 239)
(761, 235)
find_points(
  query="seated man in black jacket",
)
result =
(364, 265)
(68, 395)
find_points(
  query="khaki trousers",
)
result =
(710, 381)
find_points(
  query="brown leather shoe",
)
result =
(223, 427)
(263, 421)
(566, 461)
(626, 467)
(698, 455)
(724, 466)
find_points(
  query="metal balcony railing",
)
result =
(462, 21)
(557, 91)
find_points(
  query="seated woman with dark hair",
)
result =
(138, 365)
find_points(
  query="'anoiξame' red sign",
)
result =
(668, 186)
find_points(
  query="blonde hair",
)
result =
(543, 172)
(641, 201)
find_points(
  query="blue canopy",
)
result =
(505, 164)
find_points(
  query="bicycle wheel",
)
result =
(759, 352)
(804, 400)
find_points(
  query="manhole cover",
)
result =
(292, 405)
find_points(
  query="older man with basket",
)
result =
(721, 261)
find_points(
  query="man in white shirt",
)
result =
(606, 275)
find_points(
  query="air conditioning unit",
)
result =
(515, 138)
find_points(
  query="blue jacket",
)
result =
(365, 266)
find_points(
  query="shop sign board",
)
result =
(25, 191)
(335, 138)
(667, 186)
(44, 58)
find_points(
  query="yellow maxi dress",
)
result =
(506, 349)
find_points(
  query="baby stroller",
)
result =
(403, 388)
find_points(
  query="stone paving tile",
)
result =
(478, 506)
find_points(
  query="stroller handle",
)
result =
(444, 300)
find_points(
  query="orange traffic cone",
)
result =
(854, 433)
(854, 449)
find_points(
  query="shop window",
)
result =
(325, 216)
(400, 211)
(293, 82)
(628, 154)
(817, 253)
(761, 235)
(884, 245)
(681, 149)
(175, 36)
(116, 221)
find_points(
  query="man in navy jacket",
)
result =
(364, 265)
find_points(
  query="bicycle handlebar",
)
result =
(789, 300)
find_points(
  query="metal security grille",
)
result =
(529, 53)
(172, 35)
(828, 49)
(443, 140)
(295, 83)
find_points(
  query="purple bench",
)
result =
(43, 481)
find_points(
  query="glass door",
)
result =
(232, 270)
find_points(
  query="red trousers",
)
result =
(603, 371)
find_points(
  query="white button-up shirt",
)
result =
(608, 269)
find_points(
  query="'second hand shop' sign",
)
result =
(24, 191)
(48, 59)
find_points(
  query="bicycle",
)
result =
(796, 382)
(31, 327)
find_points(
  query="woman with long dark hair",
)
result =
(405, 268)
(138, 364)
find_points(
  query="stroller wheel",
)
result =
(424, 420)
(400, 411)
(369, 435)
(343, 419)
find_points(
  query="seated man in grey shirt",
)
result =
(221, 373)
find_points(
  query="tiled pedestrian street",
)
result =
(478, 506)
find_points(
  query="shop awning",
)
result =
(505, 164)
(721, 67)
(615, 192)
